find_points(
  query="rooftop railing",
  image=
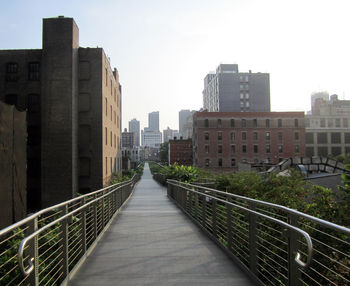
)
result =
(275, 245)
(48, 246)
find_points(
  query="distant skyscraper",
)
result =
(169, 134)
(153, 121)
(228, 90)
(185, 123)
(134, 126)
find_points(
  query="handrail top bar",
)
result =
(278, 221)
(37, 214)
(286, 209)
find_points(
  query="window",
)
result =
(106, 165)
(33, 103)
(296, 148)
(267, 123)
(268, 148)
(111, 114)
(219, 135)
(322, 151)
(244, 135)
(12, 68)
(115, 141)
(309, 138)
(244, 148)
(267, 136)
(255, 123)
(206, 123)
(296, 123)
(220, 162)
(106, 135)
(247, 95)
(337, 122)
(255, 148)
(280, 136)
(207, 162)
(232, 136)
(241, 95)
(296, 136)
(115, 117)
(280, 148)
(206, 148)
(232, 123)
(307, 122)
(322, 138)
(279, 122)
(255, 136)
(106, 103)
(111, 165)
(345, 122)
(233, 162)
(243, 123)
(336, 151)
(111, 138)
(347, 138)
(219, 123)
(106, 77)
(206, 136)
(33, 71)
(335, 138)
(323, 122)
(233, 149)
(220, 149)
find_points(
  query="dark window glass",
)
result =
(220, 162)
(309, 138)
(207, 162)
(296, 136)
(322, 151)
(233, 149)
(255, 148)
(280, 148)
(206, 136)
(219, 123)
(322, 138)
(255, 123)
(244, 123)
(255, 135)
(232, 136)
(12, 68)
(232, 123)
(233, 162)
(310, 151)
(267, 123)
(220, 149)
(244, 135)
(206, 123)
(268, 148)
(296, 123)
(336, 151)
(244, 148)
(33, 71)
(279, 123)
(335, 138)
(220, 135)
(347, 137)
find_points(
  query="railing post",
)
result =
(95, 216)
(204, 211)
(33, 278)
(64, 243)
(253, 251)
(103, 210)
(83, 227)
(190, 203)
(294, 273)
(196, 206)
(229, 224)
(214, 217)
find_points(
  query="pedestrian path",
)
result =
(151, 242)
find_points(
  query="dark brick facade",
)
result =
(181, 152)
(222, 140)
(73, 102)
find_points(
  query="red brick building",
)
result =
(224, 139)
(180, 151)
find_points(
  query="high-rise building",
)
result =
(229, 90)
(134, 126)
(73, 98)
(183, 115)
(153, 121)
(151, 138)
(127, 139)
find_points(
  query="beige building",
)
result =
(328, 127)
(73, 102)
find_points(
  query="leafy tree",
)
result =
(164, 151)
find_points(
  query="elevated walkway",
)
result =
(152, 242)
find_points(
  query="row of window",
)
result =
(12, 71)
(112, 136)
(255, 136)
(331, 122)
(113, 167)
(323, 138)
(325, 151)
(243, 122)
(116, 96)
(255, 149)
(116, 118)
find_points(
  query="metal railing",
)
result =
(275, 245)
(46, 247)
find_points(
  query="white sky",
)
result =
(164, 48)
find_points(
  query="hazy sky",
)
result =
(164, 48)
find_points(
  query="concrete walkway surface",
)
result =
(151, 242)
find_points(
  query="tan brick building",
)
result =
(73, 101)
(221, 140)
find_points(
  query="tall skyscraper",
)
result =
(229, 90)
(153, 121)
(134, 126)
(185, 123)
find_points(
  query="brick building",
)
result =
(181, 152)
(73, 102)
(128, 139)
(221, 140)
